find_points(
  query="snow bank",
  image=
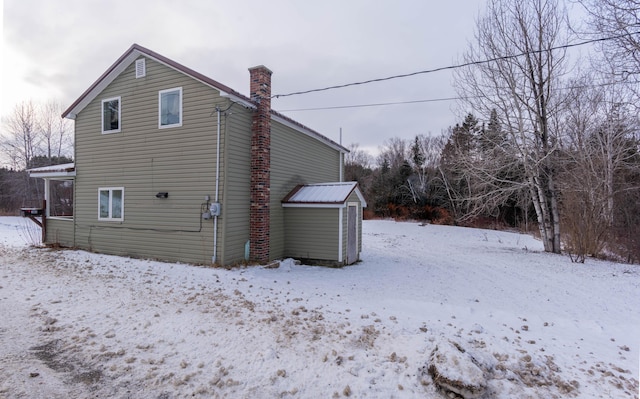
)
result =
(76, 324)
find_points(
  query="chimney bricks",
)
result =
(259, 213)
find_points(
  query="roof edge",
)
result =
(127, 57)
(225, 91)
(285, 120)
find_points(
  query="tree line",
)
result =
(549, 139)
(546, 142)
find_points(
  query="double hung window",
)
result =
(111, 203)
(170, 108)
(111, 115)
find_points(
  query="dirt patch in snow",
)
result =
(89, 325)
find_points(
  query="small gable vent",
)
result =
(141, 70)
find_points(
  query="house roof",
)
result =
(322, 194)
(53, 171)
(135, 51)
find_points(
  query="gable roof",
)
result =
(135, 51)
(327, 194)
(125, 60)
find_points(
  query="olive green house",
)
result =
(173, 165)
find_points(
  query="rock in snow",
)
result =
(454, 370)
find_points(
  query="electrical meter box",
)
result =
(214, 208)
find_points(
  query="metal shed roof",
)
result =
(319, 194)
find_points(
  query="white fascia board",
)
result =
(54, 175)
(117, 70)
(236, 99)
(361, 197)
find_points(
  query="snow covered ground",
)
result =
(486, 307)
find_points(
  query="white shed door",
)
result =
(352, 234)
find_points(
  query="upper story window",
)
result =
(111, 203)
(170, 107)
(111, 115)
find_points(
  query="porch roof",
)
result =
(65, 170)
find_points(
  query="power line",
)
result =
(466, 64)
(374, 104)
(431, 100)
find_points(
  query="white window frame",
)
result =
(160, 93)
(119, 115)
(110, 217)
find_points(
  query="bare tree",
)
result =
(32, 135)
(33, 131)
(55, 130)
(394, 150)
(601, 149)
(357, 156)
(20, 139)
(620, 21)
(522, 84)
(482, 175)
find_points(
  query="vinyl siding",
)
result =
(60, 232)
(296, 159)
(146, 160)
(312, 233)
(236, 128)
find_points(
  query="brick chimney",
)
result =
(260, 93)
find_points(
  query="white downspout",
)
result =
(214, 259)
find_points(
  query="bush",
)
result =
(584, 225)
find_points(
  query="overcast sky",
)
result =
(57, 49)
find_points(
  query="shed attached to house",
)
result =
(173, 165)
(323, 223)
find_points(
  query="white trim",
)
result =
(141, 68)
(360, 197)
(233, 98)
(115, 72)
(47, 187)
(124, 64)
(60, 175)
(160, 93)
(340, 234)
(61, 171)
(119, 115)
(111, 190)
(354, 204)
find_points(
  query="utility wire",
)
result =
(375, 104)
(431, 100)
(466, 64)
